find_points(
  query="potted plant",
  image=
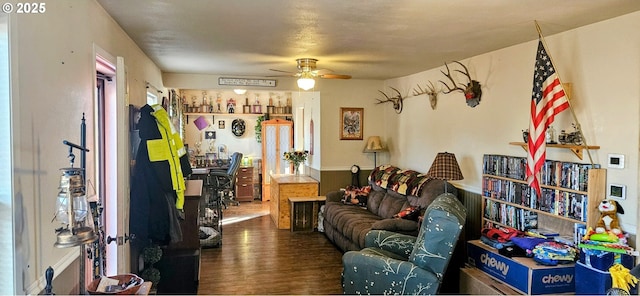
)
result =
(151, 255)
(258, 128)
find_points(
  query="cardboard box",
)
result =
(475, 282)
(521, 273)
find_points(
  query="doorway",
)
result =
(112, 160)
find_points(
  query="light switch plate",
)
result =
(616, 161)
(617, 191)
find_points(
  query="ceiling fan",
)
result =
(307, 71)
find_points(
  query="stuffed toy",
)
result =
(608, 220)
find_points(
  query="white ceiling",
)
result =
(373, 39)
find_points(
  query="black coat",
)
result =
(154, 218)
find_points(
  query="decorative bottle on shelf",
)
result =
(270, 107)
(257, 108)
(551, 135)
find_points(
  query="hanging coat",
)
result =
(157, 186)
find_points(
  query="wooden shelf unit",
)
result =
(596, 191)
(270, 115)
(576, 149)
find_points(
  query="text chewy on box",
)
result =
(521, 273)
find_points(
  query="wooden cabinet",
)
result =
(244, 184)
(570, 194)
(180, 263)
(277, 138)
(282, 188)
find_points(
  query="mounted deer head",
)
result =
(431, 91)
(396, 100)
(472, 91)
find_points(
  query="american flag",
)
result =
(548, 99)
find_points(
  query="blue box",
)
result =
(603, 260)
(521, 273)
(592, 281)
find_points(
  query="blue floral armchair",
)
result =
(394, 263)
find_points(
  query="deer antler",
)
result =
(448, 75)
(466, 71)
(429, 90)
(396, 100)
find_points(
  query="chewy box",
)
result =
(522, 273)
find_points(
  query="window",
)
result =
(152, 99)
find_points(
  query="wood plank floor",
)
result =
(258, 258)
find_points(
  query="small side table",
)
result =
(304, 212)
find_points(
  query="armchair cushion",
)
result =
(396, 243)
(373, 272)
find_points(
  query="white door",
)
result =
(123, 160)
(113, 162)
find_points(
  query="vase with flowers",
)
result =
(296, 158)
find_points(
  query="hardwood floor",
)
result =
(258, 258)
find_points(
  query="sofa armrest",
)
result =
(335, 196)
(397, 243)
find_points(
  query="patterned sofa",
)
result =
(396, 264)
(393, 190)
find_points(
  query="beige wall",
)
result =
(52, 86)
(600, 60)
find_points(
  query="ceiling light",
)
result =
(240, 91)
(306, 81)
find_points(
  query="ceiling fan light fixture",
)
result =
(306, 81)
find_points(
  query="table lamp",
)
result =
(374, 144)
(445, 167)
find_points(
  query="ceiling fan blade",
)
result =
(335, 76)
(282, 71)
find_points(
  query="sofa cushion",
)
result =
(352, 222)
(395, 225)
(391, 205)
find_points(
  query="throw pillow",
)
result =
(356, 196)
(410, 213)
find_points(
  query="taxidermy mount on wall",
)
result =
(396, 100)
(472, 90)
(431, 91)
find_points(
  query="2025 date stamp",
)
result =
(24, 7)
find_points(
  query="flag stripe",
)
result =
(548, 99)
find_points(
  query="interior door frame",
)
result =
(115, 199)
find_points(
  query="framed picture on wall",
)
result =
(351, 123)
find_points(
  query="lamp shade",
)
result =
(445, 167)
(374, 144)
(306, 81)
